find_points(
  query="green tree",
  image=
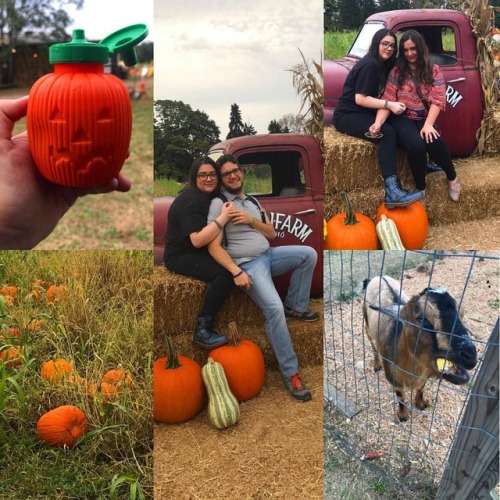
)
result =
(45, 19)
(249, 129)
(275, 127)
(236, 127)
(180, 136)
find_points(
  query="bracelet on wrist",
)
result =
(386, 103)
(237, 274)
(252, 222)
(218, 224)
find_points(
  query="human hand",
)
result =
(243, 281)
(429, 133)
(396, 107)
(226, 210)
(374, 131)
(241, 217)
(30, 205)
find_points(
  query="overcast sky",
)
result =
(100, 18)
(215, 53)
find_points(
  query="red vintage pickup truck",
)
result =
(452, 46)
(290, 170)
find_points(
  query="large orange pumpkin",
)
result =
(243, 364)
(350, 230)
(178, 390)
(411, 221)
(54, 371)
(62, 426)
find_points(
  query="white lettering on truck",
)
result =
(287, 223)
(453, 97)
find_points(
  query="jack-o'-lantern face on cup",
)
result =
(79, 118)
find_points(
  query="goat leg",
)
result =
(402, 410)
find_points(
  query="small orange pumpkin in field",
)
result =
(34, 324)
(8, 291)
(243, 364)
(411, 221)
(11, 356)
(350, 230)
(56, 293)
(62, 426)
(118, 378)
(54, 371)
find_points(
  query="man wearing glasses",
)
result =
(243, 249)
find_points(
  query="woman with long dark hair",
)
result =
(420, 85)
(357, 108)
(188, 235)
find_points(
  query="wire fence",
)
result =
(360, 404)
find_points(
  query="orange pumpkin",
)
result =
(54, 371)
(119, 378)
(8, 291)
(411, 221)
(62, 427)
(56, 293)
(178, 389)
(350, 230)
(12, 356)
(34, 324)
(243, 364)
(11, 334)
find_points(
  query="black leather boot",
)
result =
(396, 196)
(204, 336)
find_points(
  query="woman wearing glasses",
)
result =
(420, 85)
(358, 105)
(188, 235)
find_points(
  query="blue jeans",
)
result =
(300, 260)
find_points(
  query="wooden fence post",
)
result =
(472, 469)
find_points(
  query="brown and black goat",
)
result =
(416, 339)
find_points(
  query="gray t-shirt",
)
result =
(244, 243)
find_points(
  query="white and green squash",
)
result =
(223, 407)
(388, 234)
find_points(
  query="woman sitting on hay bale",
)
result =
(186, 246)
(356, 110)
(420, 86)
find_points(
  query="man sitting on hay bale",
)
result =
(243, 249)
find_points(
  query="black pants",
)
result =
(357, 124)
(202, 266)
(408, 133)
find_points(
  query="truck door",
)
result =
(281, 179)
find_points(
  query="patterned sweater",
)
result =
(407, 93)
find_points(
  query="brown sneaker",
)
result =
(297, 388)
(309, 316)
(454, 189)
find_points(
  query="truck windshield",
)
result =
(364, 39)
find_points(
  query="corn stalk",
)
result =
(308, 83)
(481, 17)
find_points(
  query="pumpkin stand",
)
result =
(276, 447)
(350, 165)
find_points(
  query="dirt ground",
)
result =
(414, 452)
(275, 450)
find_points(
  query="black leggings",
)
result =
(408, 133)
(202, 266)
(357, 124)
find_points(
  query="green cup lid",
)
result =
(79, 50)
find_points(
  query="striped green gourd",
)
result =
(388, 234)
(223, 408)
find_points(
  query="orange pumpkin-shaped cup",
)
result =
(79, 118)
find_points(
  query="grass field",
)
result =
(338, 43)
(101, 323)
(116, 220)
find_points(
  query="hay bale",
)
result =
(351, 163)
(178, 300)
(479, 199)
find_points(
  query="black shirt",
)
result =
(364, 78)
(187, 214)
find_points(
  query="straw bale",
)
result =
(178, 300)
(479, 199)
(351, 163)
